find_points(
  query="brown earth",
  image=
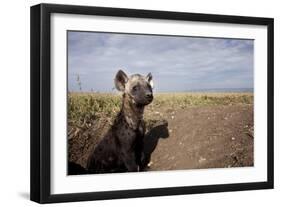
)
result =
(190, 138)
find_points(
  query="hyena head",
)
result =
(136, 86)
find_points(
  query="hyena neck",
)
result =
(132, 113)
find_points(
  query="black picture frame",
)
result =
(41, 99)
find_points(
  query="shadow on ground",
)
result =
(158, 131)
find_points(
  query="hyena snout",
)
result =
(144, 96)
(149, 96)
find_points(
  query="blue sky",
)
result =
(176, 63)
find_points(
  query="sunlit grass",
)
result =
(86, 107)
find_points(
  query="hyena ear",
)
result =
(149, 79)
(120, 80)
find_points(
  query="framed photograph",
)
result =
(133, 103)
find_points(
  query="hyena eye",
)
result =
(135, 88)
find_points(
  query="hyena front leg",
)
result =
(129, 159)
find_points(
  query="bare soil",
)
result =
(195, 137)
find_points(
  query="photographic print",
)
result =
(142, 102)
(132, 103)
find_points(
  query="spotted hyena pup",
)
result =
(121, 149)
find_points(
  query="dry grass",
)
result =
(83, 108)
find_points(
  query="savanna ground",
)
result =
(184, 130)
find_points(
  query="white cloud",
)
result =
(177, 63)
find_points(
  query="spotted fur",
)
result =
(121, 150)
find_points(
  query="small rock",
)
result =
(232, 138)
(170, 130)
(149, 164)
(172, 117)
